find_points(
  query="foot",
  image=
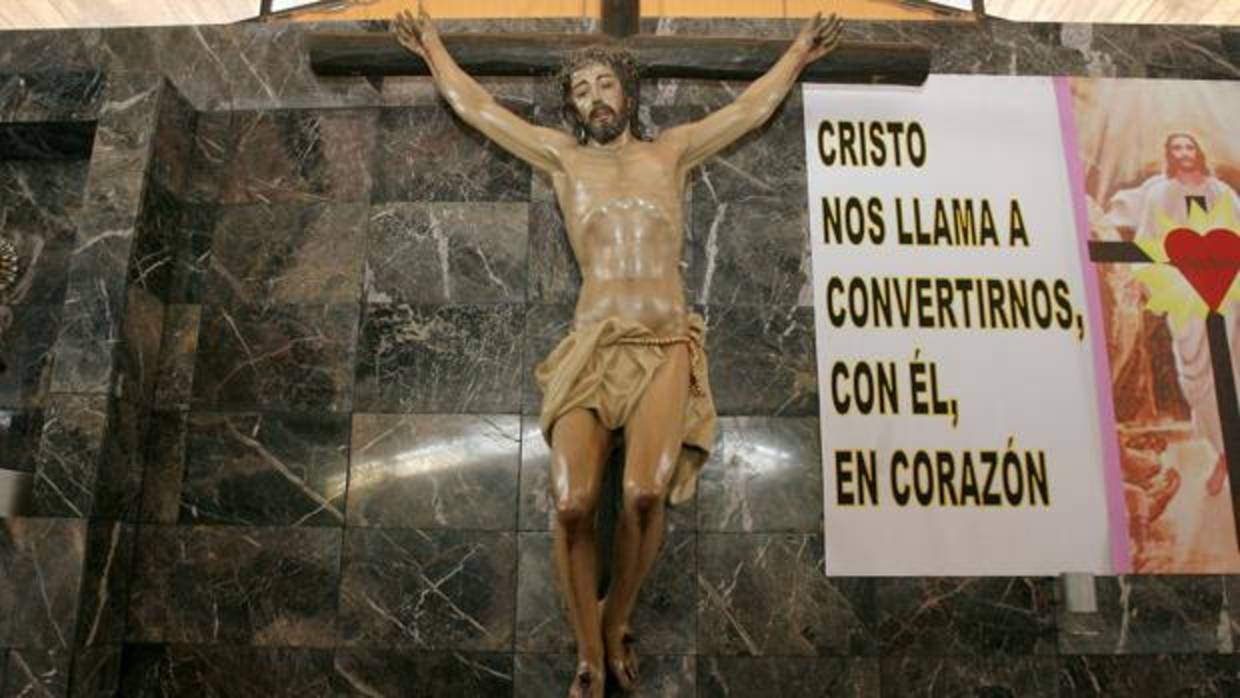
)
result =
(587, 683)
(622, 660)
(1215, 484)
(1160, 494)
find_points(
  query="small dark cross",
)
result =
(1220, 360)
(374, 54)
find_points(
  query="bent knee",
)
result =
(573, 510)
(642, 498)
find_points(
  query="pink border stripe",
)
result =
(1121, 558)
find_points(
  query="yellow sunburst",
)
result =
(1170, 293)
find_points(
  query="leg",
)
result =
(578, 453)
(652, 442)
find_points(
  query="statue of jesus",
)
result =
(632, 370)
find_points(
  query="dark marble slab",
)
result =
(118, 488)
(760, 594)
(539, 675)
(965, 615)
(284, 357)
(426, 589)
(434, 471)
(51, 95)
(26, 349)
(287, 253)
(40, 198)
(266, 469)
(158, 239)
(762, 360)
(447, 253)
(428, 154)
(767, 162)
(788, 677)
(537, 505)
(173, 141)
(70, 448)
(96, 672)
(19, 438)
(37, 672)
(452, 358)
(765, 476)
(290, 155)
(105, 583)
(750, 252)
(57, 140)
(138, 354)
(191, 257)
(165, 466)
(232, 585)
(664, 620)
(91, 324)
(1150, 614)
(1180, 51)
(1033, 677)
(215, 672)
(1150, 675)
(371, 673)
(174, 380)
(43, 572)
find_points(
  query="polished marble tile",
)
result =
(765, 594)
(428, 589)
(266, 469)
(235, 586)
(427, 154)
(216, 672)
(444, 359)
(447, 252)
(287, 253)
(434, 471)
(765, 476)
(788, 677)
(371, 673)
(928, 677)
(284, 357)
(965, 615)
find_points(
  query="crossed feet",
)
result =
(620, 649)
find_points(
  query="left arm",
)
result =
(701, 139)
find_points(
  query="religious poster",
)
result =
(1158, 170)
(957, 374)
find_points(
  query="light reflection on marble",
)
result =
(426, 471)
(765, 475)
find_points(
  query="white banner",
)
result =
(959, 422)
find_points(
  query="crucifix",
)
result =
(631, 375)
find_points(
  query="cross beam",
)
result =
(374, 54)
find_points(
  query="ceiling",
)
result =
(29, 14)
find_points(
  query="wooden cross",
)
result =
(375, 54)
(1220, 360)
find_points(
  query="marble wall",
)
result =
(285, 430)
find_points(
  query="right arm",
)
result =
(540, 147)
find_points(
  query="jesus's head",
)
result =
(600, 93)
(1184, 155)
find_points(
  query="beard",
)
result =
(607, 131)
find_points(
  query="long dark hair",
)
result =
(1202, 165)
(625, 67)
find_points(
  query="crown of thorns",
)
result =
(618, 58)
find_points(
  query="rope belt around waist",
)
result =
(695, 356)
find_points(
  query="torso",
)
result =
(624, 214)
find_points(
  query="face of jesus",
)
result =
(598, 97)
(1183, 154)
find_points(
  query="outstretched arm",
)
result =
(702, 139)
(540, 147)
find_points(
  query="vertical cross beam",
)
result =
(621, 17)
(1228, 409)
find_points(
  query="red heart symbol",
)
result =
(1209, 261)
